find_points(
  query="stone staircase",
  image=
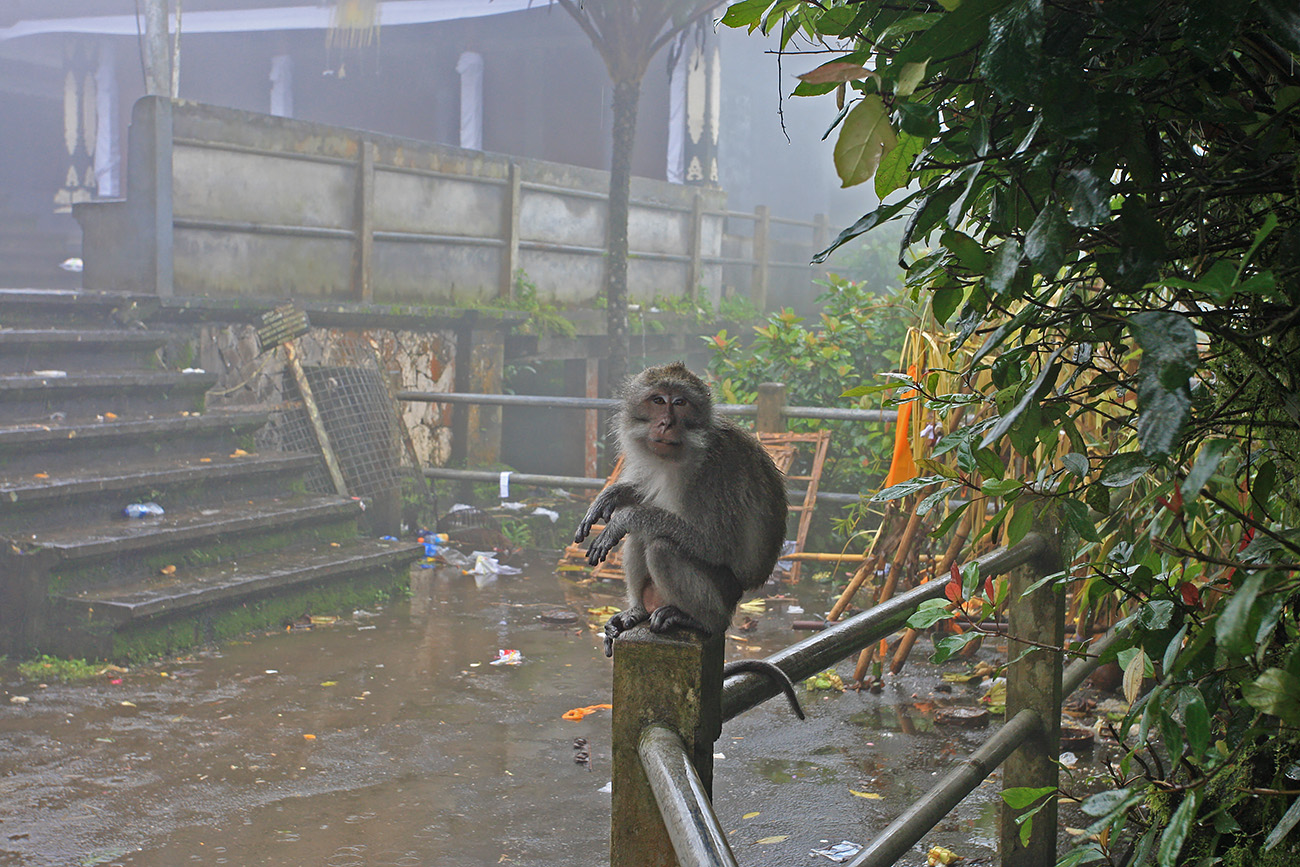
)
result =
(89, 423)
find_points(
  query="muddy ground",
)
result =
(389, 738)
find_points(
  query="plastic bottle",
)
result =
(143, 510)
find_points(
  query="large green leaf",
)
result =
(1046, 243)
(1011, 59)
(865, 137)
(1175, 834)
(1164, 394)
(1235, 629)
(894, 171)
(1275, 692)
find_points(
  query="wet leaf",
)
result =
(1134, 672)
(1284, 826)
(838, 71)
(767, 841)
(1171, 842)
(1020, 797)
(865, 137)
(752, 815)
(871, 796)
(1275, 692)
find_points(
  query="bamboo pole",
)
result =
(887, 591)
(906, 643)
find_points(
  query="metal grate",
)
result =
(360, 418)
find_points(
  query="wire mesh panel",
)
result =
(360, 420)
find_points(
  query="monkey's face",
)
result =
(669, 417)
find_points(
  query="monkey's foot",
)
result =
(620, 623)
(668, 617)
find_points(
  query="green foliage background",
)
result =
(1102, 196)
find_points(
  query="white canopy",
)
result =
(391, 13)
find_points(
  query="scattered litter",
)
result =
(272, 671)
(74, 264)
(432, 543)
(143, 510)
(362, 628)
(324, 619)
(608, 788)
(827, 680)
(554, 516)
(239, 453)
(18, 699)
(485, 563)
(361, 612)
(452, 557)
(167, 570)
(558, 615)
(193, 370)
(939, 855)
(1069, 760)
(388, 538)
(508, 657)
(840, 852)
(50, 374)
(794, 609)
(309, 737)
(127, 703)
(870, 796)
(514, 507)
(579, 712)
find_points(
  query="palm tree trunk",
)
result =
(627, 93)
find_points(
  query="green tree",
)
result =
(1102, 196)
(627, 34)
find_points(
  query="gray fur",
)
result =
(706, 522)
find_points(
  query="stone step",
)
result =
(68, 497)
(117, 550)
(67, 307)
(163, 613)
(86, 396)
(25, 350)
(35, 446)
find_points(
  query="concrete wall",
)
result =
(224, 203)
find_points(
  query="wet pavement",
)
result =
(389, 738)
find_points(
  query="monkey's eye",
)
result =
(680, 401)
(657, 398)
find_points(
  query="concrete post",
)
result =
(510, 232)
(695, 273)
(581, 379)
(671, 680)
(1034, 682)
(363, 255)
(771, 408)
(762, 256)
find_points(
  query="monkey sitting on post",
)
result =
(703, 509)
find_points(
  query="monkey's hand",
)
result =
(602, 508)
(620, 623)
(669, 617)
(613, 533)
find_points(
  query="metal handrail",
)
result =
(693, 827)
(610, 404)
(915, 822)
(817, 652)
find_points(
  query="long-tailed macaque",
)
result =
(701, 504)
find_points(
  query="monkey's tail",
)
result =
(767, 669)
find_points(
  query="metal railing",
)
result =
(674, 769)
(608, 405)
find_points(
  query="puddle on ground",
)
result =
(389, 738)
